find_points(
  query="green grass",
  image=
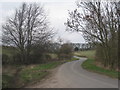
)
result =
(30, 76)
(37, 72)
(89, 65)
(43, 66)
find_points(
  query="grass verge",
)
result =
(37, 72)
(27, 75)
(89, 65)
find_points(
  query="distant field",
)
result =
(89, 54)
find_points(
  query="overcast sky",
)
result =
(57, 11)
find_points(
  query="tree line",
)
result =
(100, 23)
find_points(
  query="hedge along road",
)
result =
(72, 75)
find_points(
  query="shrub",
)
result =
(17, 59)
(65, 52)
(5, 59)
(35, 58)
(47, 57)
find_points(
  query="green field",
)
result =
(89, 64)
(89, 54)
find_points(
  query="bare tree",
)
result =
(28, 26)
(99, 24)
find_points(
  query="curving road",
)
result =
(72, 75)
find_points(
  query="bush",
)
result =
(40, 58)
(37, 53)
(5, 59)
(16, 58)
(65, 52)
(47, 57)
(35, 58)
(65, 56)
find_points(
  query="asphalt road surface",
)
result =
(72, 75)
